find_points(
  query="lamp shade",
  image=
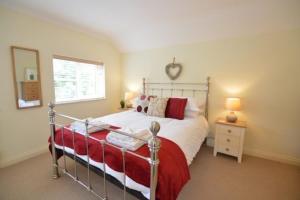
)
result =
(233, 103)
(129, 96)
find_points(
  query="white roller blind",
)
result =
(75, 81)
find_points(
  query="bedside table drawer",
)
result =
(229, 130)
(228, 140)
(228, 149)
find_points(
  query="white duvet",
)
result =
(188, 134)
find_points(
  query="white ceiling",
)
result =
(142, 24)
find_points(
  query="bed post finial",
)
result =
(154, 145)
(154, 128)
(144, 86)
(51, 114)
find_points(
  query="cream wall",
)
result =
(24, 133)
(263, 70)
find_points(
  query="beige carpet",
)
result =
(213, 178)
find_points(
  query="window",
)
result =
(77, 80)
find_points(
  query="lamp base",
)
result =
(231, 117)
(128, 105)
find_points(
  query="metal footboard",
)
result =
(153, 145)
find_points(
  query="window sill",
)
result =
(78, 101)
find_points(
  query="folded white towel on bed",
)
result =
(94, 126)
(126, 141)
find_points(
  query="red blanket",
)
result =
(173, 171)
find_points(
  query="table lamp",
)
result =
(232, 104)
(128, 97)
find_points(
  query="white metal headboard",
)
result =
(179, 89)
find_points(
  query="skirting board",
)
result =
(23, 156)
(272, 156)
(266, 155)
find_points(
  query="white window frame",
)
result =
(81, 61)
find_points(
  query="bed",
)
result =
(147, 172)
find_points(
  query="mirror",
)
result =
(26, 72)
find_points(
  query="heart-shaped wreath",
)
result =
(173, 70)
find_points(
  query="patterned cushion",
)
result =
(142, 103)
(157, 107)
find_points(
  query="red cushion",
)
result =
(175, 108)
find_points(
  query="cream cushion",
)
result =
(157, 107)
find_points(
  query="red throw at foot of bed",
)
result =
(173, 171)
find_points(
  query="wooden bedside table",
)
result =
(123, 109)
(229, 138)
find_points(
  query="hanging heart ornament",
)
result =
(173, 70)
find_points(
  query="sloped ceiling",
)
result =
(135, 25)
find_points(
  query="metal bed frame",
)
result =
(153, 143)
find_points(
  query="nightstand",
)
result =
(229, 138)
(123, 109)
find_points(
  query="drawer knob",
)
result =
(229, 131)
(228, 140)
(227, 149)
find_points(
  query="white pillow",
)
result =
(194, 104)
(191, 114)
(135, 101)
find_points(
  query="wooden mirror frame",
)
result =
(12, 48)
